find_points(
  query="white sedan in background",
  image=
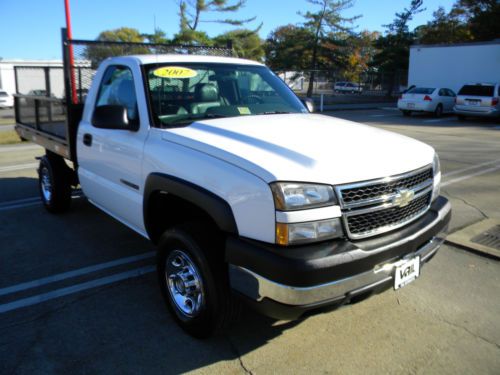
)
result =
(6, 100)
(427, 99)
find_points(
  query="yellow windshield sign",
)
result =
(174, 72)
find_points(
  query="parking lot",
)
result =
(78, 292)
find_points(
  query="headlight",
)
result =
(436, 168)
(296, 196)
(313, 231)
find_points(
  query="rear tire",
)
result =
(54, 183)
(406, 113)
(194, 281)
(461, 117)
(439, 110)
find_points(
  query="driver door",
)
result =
(110, 159)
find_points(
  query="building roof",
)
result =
(468, 44)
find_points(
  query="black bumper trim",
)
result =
(311, 265)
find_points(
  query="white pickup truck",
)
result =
(248, 195)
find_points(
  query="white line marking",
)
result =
(18, 167)
(33, 201)
(34, 300)
(380, 115)
(389, 108)
(458, 171)
(439, 120)
(74, 273)
(466, 177)
(20, 203)
(20, 148)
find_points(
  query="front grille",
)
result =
(378, 206)
(369, 222)
(371, 191)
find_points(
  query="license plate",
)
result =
(473, 102)
(406, 271)
(411, 105)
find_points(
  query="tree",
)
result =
(323, 24)
(158, 37)
(468, 20)
(443, 28)
(246, 43)
(394, 47)
(97, 53)
(289, 48)
(192, 37)
(360, 55)
(191, 12)
(481, 16)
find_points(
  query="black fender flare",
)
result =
(216, 207)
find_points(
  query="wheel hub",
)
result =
(184, 283)
(46, 184)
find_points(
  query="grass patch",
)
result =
(7, 121)
(9, 137)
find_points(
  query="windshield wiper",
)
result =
(274, 113)
(215, 115)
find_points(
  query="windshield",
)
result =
(183, 93)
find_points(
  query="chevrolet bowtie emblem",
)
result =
(403, 197)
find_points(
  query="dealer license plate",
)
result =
(406, 271)
(411, 105)
(474, 102)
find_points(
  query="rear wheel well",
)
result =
(167, 210)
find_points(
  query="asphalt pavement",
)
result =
(78, 292)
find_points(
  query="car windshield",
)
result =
(183, 93)
(477, 90)
(421, 90)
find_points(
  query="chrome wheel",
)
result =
(46, 184)
(184, 283)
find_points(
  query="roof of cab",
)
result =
(179, 58)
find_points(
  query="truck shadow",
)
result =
(17, 188)
(123, 327)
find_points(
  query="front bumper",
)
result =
(286, 282)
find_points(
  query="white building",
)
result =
(454, 65)
(32, 79)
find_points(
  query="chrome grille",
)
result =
(371, 221)
(378, 206)
(371, 191)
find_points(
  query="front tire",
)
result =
(193, 280)
(54, 183)
(438, 112)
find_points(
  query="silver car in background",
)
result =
(478, 99)
(348, 87)
(427, 99)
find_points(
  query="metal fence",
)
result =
(88, 55)
(329, 82)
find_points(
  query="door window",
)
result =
(117, 88)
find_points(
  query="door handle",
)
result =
(87, 139)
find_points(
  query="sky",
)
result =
(30, 29)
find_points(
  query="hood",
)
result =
(304, 147)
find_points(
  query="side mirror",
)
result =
(309, 103)
(113, 117)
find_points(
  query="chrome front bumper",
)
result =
(258, 288)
